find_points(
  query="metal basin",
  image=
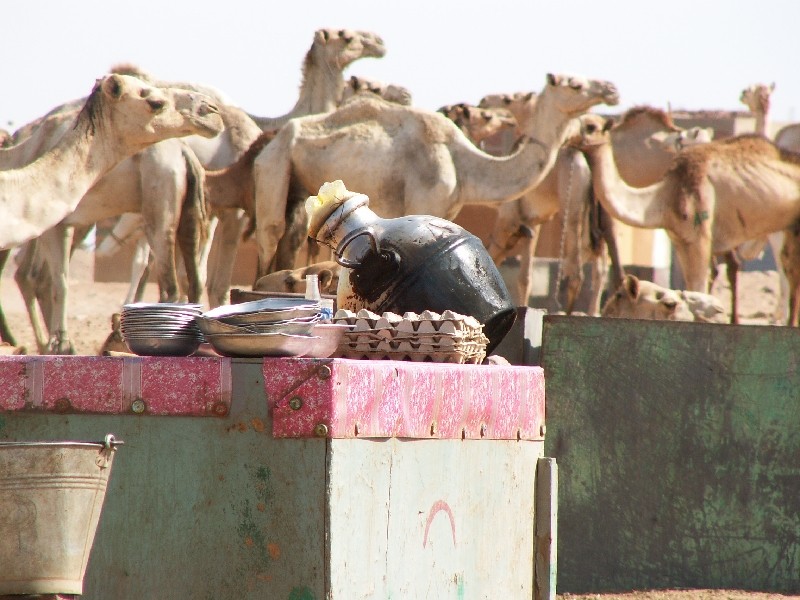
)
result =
(261, 344)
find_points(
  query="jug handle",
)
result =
(351, 264)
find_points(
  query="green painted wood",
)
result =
(201, 507)
(679, 454)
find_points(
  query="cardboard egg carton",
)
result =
(427, 336)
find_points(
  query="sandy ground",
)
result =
(91, 306)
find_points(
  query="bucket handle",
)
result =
(351, 264)
(110, 444)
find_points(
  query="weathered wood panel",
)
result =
(679, 453)
(432, 518)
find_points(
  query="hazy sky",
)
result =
(690, 54)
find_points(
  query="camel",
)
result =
(409, 160)
(323, 83)
(331, 52)
(479, 124)
(521, 219)
(640, 299)
(294, 280)
(757, 98)
(788, 137)
(122, 116)
(713, 198)
(389, 92)
(54, 243)
(224, 189)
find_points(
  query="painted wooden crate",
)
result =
(302, 478)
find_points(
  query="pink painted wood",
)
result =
(151, 385)
(343, 398)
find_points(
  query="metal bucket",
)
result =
(51, 496)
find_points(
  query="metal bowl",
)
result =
(261, 344)
(176, 345)
(328, 335)
(214, 326)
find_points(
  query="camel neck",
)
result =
(320, 91)
(38, 196)
(637, 207)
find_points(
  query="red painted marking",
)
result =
(439, 506)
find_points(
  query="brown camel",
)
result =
(713, 198)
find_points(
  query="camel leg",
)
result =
(271, 177)
(222, 256)
(296, 230)
(790, 258)
(192, 230)
(163, 174)
(56, 245)
(781, 314)
(732, 272)
(30, 267)
(5, 331)
(526, 259)
(140, 269)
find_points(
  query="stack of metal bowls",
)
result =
(274, 326)
(161, 329)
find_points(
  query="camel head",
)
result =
(756, 97)
(391, 93)
(479, 123)
(294, 280)
(340, 47)
(573, 95)
(640, 299)
(675, 141)
(520, 104)
(149, 114)
(593, 131)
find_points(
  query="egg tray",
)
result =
(425, 337)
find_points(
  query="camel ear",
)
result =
(465, 111)
(631, 285)
(552, 79)
(112, 86)
(609, 125)
(529, 96)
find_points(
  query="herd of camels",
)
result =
(187, 174)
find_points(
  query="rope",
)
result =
(564, 218)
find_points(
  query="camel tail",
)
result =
(193, 224)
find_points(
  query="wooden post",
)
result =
(546, 528)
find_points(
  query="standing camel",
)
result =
(409, 160)
(101, 138)
(331, 52)
(122, 116)
(713, 198)
(757, 98)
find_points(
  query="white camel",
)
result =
(122, 116)
(331, 52)
(713, 198)
(389, 92)
(409, 160)
(196, 115)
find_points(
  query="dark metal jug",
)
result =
(415, 263)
